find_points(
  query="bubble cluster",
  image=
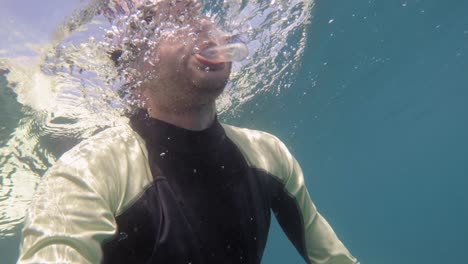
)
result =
(275, 33)
(133, 38)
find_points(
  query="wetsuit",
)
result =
(152, 192)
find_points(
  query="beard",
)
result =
(182, 94)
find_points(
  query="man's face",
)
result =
(176, 69)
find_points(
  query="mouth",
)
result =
(207, 64)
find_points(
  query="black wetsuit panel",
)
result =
(206, 205)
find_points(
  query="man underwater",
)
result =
(174, 185)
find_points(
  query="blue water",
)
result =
(378, 120)
(382, 132)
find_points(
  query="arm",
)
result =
(305, 227)
(73, 209)
(68, 218)
(73, 212)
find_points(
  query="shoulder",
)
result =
(106, 143)
(262, 150)
(254, 140)
(112, 163)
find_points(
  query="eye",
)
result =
(148, 19)
(149, 15)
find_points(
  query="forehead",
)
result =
(150, 24)
(170, 11)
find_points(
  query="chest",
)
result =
(204, 209)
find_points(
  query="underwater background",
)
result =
(377, 116)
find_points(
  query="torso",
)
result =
(206, 205)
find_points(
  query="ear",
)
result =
(115, 56)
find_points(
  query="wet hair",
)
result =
(134, 34)
(115, 55)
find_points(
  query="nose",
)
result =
(205, 23)
(212, 32)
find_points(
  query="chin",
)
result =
(211, 81)
(212, 87)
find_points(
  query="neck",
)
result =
(196, 118)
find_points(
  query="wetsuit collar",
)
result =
(158, 133)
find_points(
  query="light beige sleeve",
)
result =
(73, 209)
(68, 218)
(267, 152)
(321, 243)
